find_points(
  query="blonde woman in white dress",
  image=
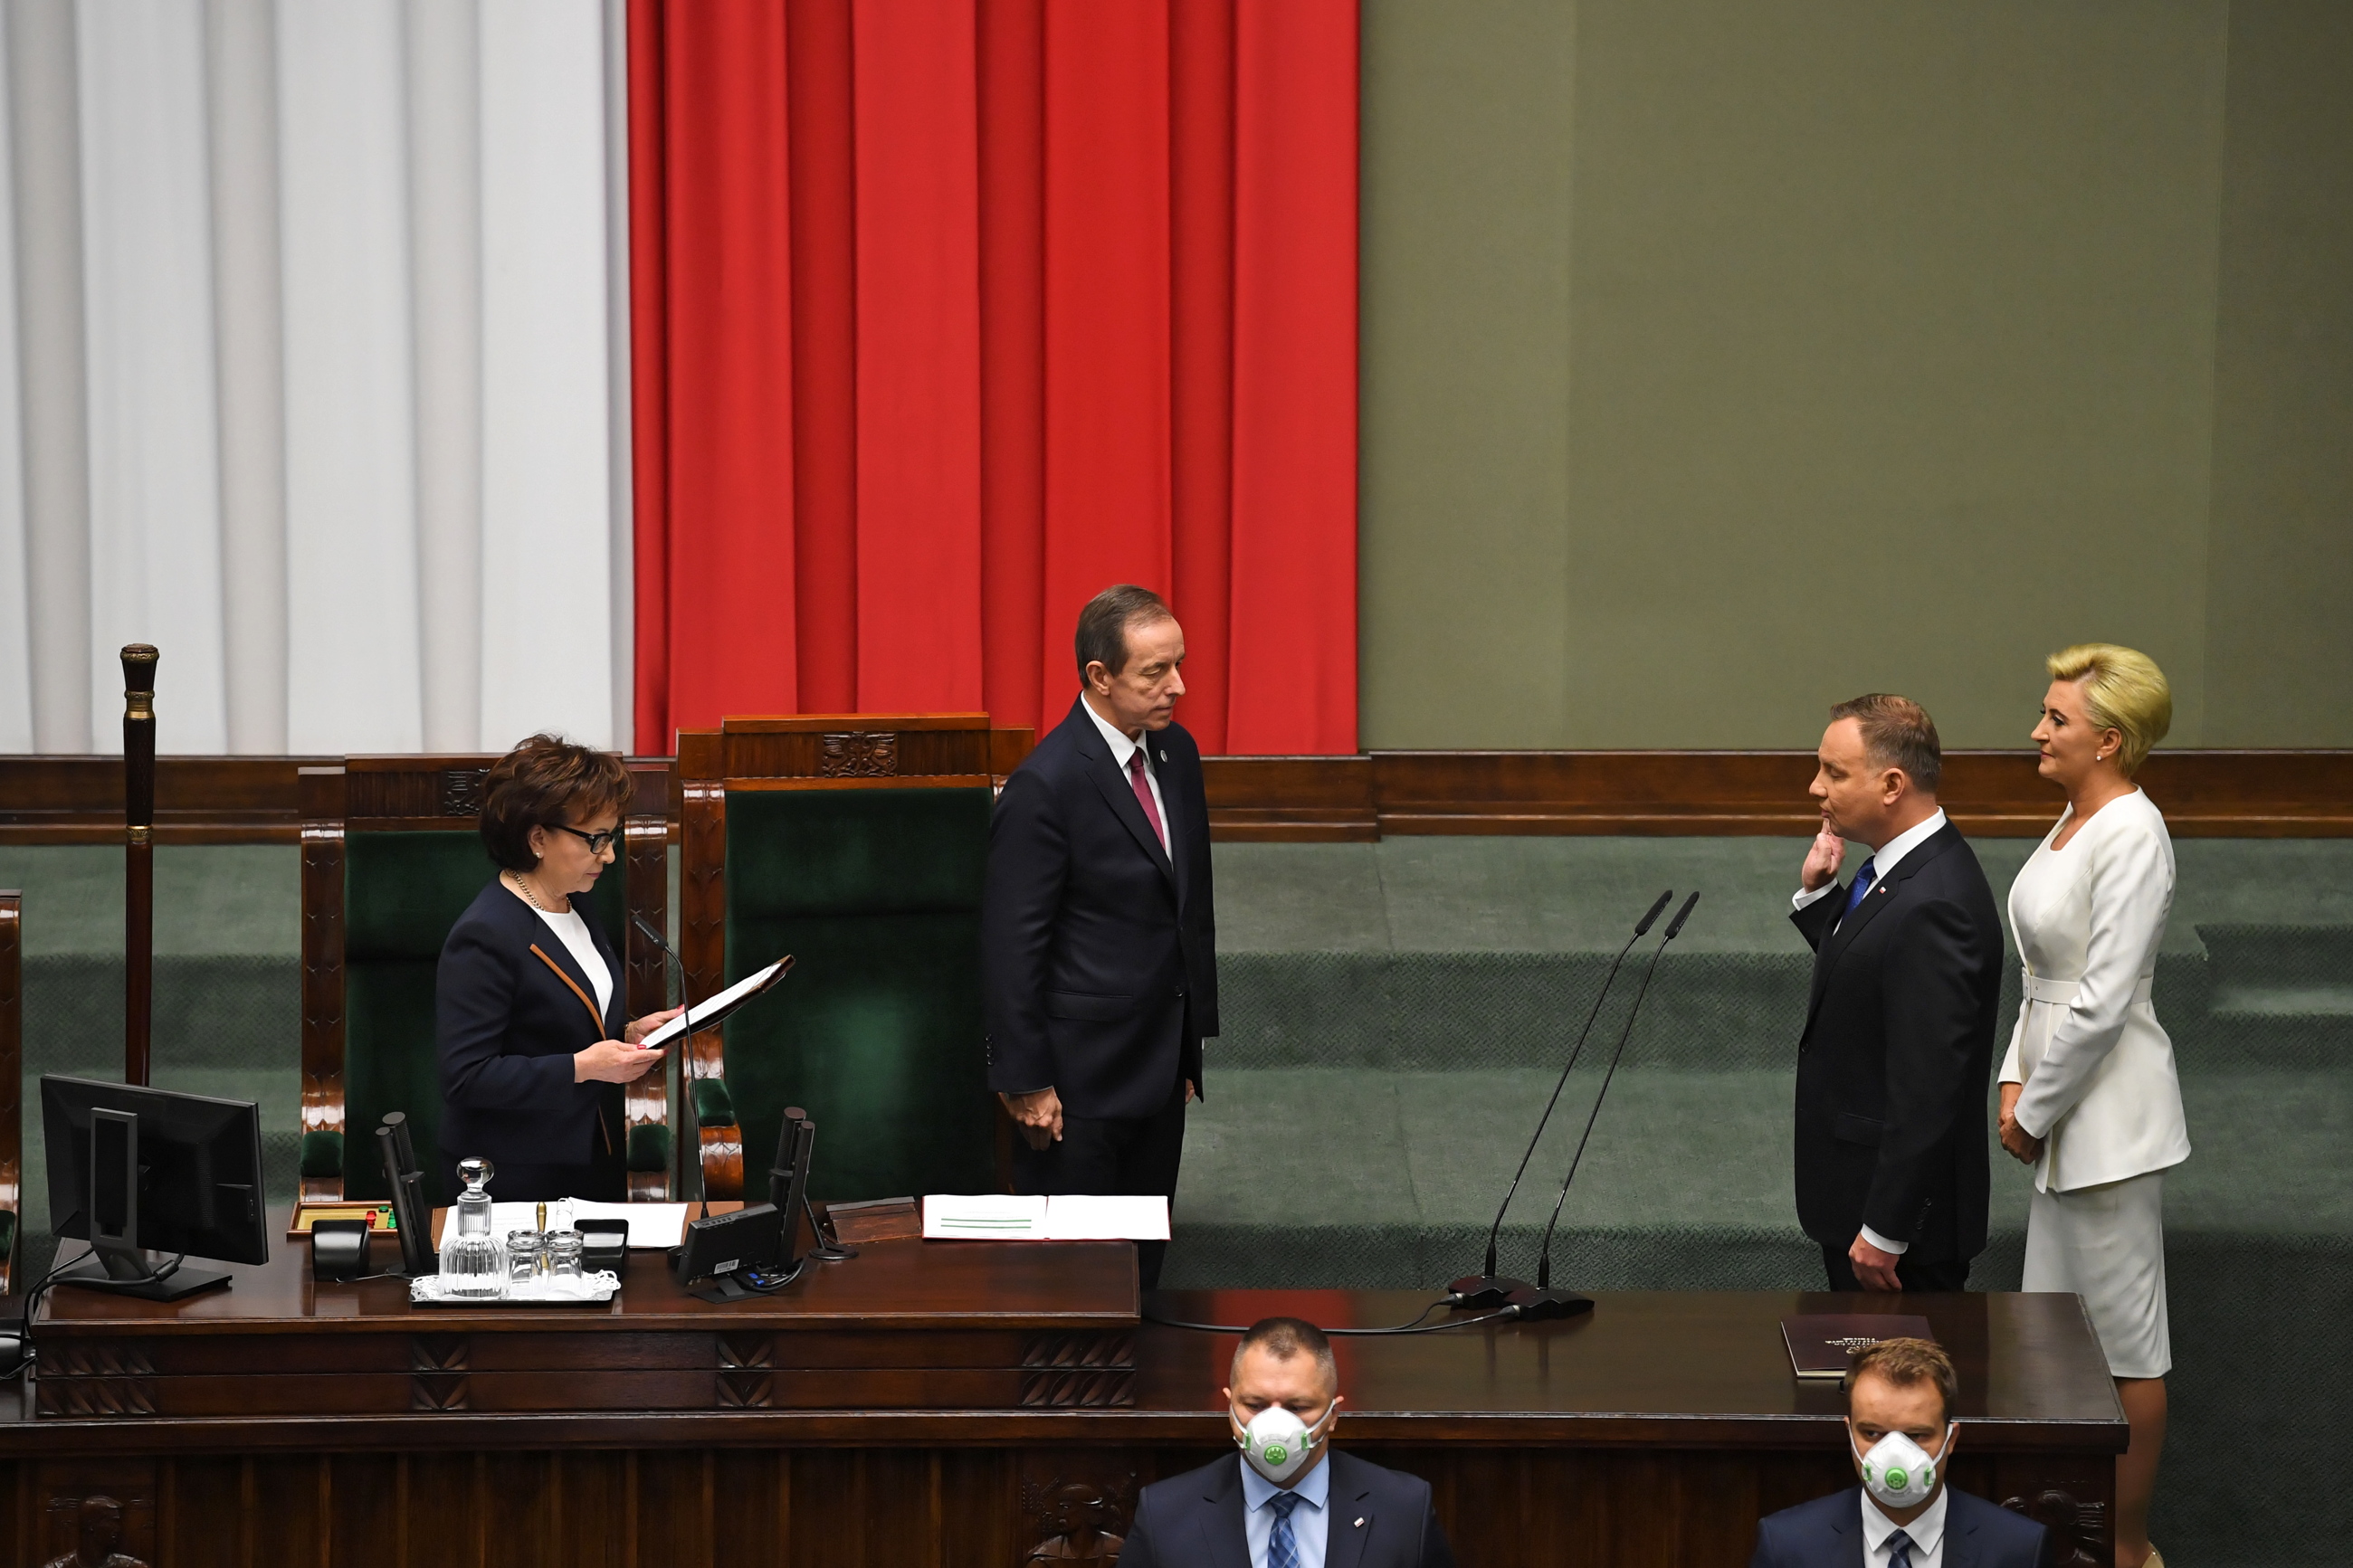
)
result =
(2089, 1095)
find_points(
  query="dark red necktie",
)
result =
(1144, 796)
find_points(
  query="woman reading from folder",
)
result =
(527, 998)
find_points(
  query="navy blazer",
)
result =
(1377, 1519)
(509, 1021)
(1897, 1048)
(1828, 1534)
(1098, 957)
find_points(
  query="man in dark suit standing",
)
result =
(1289, 1499)
(1900, 1433)
(1891, 1146)
(1098, 929)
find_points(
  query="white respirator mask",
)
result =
(1278, 1444)
(1898, 1472)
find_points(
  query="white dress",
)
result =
(2100, 1087)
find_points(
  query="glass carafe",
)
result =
(473, 1259)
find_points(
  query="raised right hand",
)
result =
(1822, 860)
(610, 1061)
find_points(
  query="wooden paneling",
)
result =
(1499, 1501)
(79, 800)
(2258, 795)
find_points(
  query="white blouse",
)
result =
(573, 932)
(2101, 1090)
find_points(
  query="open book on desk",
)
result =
(713, 1011)
(1069, 1217)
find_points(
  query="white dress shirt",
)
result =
(1883, 859)
(574, 933)
(1926, 1533)
(1122, 748)
(2100, 1089)
(1309, 1527)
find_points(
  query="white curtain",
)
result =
(314, 372)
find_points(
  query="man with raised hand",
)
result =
(1892, 1168)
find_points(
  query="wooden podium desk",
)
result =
(962, 1403)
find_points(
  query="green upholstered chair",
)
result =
(12, 1079)
(391, 853)
(856, 843)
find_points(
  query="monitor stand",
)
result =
(132, 1275)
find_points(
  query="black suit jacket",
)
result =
(1828, 1534)
(1898, 1044)
(1099, 958)
(1195, 1519)
(508, 1025)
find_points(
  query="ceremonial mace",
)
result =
(139, 856)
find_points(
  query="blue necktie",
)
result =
(1282, 1547)
(1862, 881)
(1899, 1551)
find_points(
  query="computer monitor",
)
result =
(134, 1171)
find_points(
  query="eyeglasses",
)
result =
(597, 842)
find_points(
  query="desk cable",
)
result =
(25, 1355)
(1413, 1325)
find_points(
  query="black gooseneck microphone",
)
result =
(685, 1017)
(1490, 1289)
(685, 1007)
(1544, 1301)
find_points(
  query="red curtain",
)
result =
(949, 314)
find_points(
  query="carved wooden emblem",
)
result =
(69, 1359)
(1070, 1353)
(747, 1351)
(95, 1396)
(461, 791)
(437, 1391)
(1079, 1518)
(860, 755)
(96, 1524)
(437, 1353)
(2079, 1531)
(1080, 1389)
(744, 1388)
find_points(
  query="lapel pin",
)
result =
(1359, 1524)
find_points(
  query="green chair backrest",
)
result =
(401, 892)
(877, 1032)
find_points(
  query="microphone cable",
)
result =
(1414, 1325)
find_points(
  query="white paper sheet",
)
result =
(1077, 1216)
(713, 1011)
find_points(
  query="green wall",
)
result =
(1721, 360)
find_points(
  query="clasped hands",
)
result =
(2020, 1145)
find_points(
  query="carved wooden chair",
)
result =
(857, 843)
(392, 855)
(11, 1081)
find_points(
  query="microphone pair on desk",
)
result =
(1517, 1297)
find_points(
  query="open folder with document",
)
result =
(1069, 1216)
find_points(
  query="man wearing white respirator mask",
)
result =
(1900, 1431)
(1290, 1501)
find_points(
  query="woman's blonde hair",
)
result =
(2123, 690)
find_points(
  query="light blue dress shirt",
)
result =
(1309, 1527)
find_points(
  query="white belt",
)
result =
(2043, 988)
